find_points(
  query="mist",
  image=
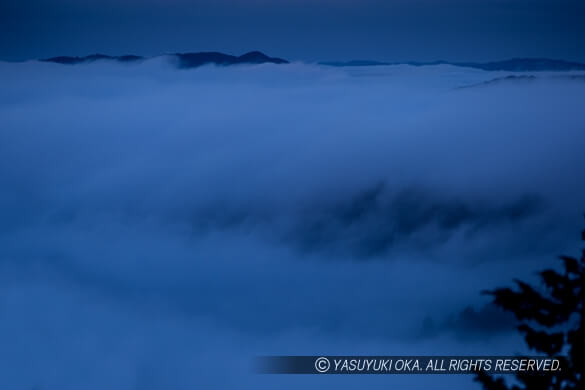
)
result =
(161, 227)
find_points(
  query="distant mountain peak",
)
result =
(513, 64)
(186, 60)
(192, 60)
(254, 53)
(355, 63)
(525, 64)
(71, 60)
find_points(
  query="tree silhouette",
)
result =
(553, 323)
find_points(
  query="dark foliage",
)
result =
(553, 324)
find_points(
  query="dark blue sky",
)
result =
(475, 30)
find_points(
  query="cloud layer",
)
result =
(154, 219)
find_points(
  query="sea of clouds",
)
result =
(159, 228)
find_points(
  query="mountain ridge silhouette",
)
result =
(196, 59)
(185, 60)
